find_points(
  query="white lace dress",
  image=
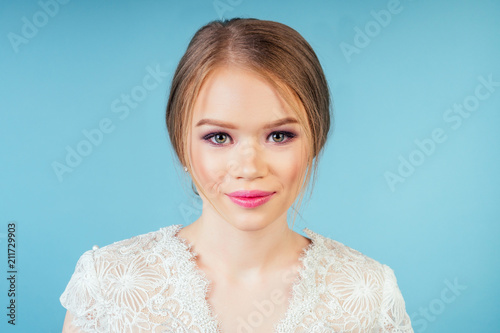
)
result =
(150, 283)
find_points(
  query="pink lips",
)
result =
(250, 199)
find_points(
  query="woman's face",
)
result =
(244, 137)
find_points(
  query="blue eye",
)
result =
(220, 138)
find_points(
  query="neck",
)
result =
(242, 255)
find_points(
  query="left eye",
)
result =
(280, 135)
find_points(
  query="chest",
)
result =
(251, 308)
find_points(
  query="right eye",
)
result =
(219, 138)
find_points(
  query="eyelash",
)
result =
(208, 137)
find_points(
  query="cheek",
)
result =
(209, 169)
(293, 168)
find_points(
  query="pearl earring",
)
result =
(185, 169)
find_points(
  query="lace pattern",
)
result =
(151, 283)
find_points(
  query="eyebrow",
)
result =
(279, 122)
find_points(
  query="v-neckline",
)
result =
(193, 270)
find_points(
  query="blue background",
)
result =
(438, 227)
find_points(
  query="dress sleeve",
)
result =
(393, 317)
(83, 297)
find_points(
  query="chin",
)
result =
(250, 226)
(250, 221)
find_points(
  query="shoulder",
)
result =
(137, 246)
(354, 282)
(360, 293)
(114, 284)
(352, 273)
(100, 262)
(125, 266)
(340, 256)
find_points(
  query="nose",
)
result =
(248, 161)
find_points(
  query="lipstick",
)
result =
(250, 199)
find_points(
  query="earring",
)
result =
(185, 169)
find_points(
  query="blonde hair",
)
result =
(270, 49)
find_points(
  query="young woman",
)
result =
(248, 116)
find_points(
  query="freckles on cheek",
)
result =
(209, 168)
(292, 168)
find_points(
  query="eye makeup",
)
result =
(289, 136)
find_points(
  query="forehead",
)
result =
(233, 91)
